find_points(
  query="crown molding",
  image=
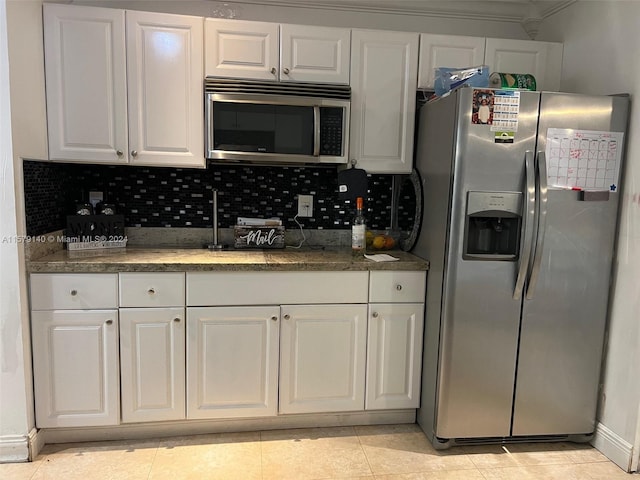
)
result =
(488, 10)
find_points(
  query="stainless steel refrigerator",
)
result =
(519, 221)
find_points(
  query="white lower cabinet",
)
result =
(232, 361)
(394, 355)
(249, 344)
(322, 358)
(152, 357)
(75, 367)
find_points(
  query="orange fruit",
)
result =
(389, 242)
(378, 242)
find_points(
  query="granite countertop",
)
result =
(139, 259)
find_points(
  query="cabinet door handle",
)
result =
(287, 316)
(285, 71)
(273, 70)
(398, 287)
(151, 291)
(374, 314)
(119, 153)
(73, 292)
(177, 319)
(274, 318)
(109, 322)
(134, 153)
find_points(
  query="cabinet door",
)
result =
(241, 49)
(541, 59)
(394, 355)
(75, 367)
(152, 364)
(86, 83)
(322, 358)
(314, 54)
(232, 361)
(447, 51)
(384, 70)
(165, 89)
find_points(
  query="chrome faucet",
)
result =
(215, 245)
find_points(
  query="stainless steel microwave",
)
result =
(276, 123)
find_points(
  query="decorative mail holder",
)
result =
(89, 232)
(258, 237)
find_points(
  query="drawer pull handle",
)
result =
(287, 316)
(73, 293)
(375, 314)
(177, 319)
(274, 318)
(151, 291)
(398, 287)
(109, 322)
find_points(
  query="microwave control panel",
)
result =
(331, 119)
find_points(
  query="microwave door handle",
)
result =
(542, 224)
(316, 130)
(529, 212)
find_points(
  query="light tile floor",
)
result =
(387, 452)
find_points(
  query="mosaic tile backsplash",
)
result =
(181, 197)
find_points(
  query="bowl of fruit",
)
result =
(382, 240)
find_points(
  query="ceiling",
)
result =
(500, 10)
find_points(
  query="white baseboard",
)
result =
(36, 443)
(613, 447)
(14, 448)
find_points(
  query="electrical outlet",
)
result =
(95, 198)
(305, 205)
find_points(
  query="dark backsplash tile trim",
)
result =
(181, 197)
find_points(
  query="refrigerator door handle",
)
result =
(529, 213)
(541, 171)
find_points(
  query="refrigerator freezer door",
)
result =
(480, 317)
(563, 324)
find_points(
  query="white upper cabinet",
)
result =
(85, 70)
(447, 51)
(165, 73)
(541, 59)
(314, 54)
(93, 64)
(268, 51)
(384, 71)
(241, 49)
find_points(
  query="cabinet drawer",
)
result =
(73, 291)
(152, 289)
(275, 288)
(397, 286)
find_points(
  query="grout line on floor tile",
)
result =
(355, 430)
(154, 459)
(261, 456)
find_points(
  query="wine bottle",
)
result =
(358, 230)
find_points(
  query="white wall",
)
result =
(15, 387)
(327, 17)
(601, 45)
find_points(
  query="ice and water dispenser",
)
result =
(492, 226)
